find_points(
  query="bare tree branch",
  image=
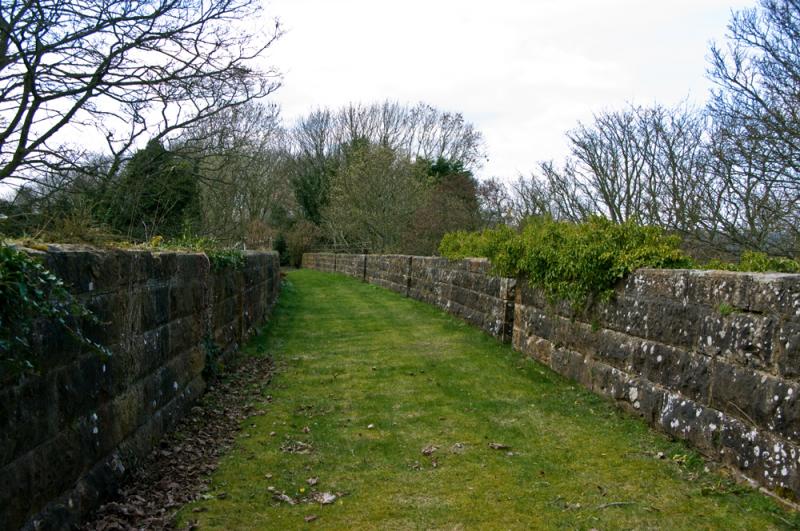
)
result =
(127, 69)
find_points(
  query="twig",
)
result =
(742, 412)
(614, 504)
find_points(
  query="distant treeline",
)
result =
(388, 177)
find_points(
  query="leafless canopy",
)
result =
(121, 70)
(418, 131)
(758, 80)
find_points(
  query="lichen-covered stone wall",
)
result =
(68, 434)
(352, 265)
(466, 289)
(706, 356)
(320, 261)
(390, 271)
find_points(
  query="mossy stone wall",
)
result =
(68, 434)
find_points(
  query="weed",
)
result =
(725, 309)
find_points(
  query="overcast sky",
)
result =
(523, 72)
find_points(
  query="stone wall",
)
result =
(706, 356)
(352, 265)
(390, 271)
(319, 261)
(464, 288)
(68, 434)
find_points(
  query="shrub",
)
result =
(757, 262)
(576, 262)
(761, 262)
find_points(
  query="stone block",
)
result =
(186, 298)
(155, 306)
(775, 293)
(352, 265)
(28, 415)
(744, 339)
(787, 349)
(81, 388)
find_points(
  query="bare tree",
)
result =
(373, 195)
(642, 163)
(756, 127)
(496, 203)
(241, 161)
(420, 131)
(758, 75)
(751, 207)
(127, 69)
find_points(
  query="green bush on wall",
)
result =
(757, 262)
(581, 262)
(576, 262)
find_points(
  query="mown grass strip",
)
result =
(393, 406)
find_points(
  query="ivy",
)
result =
(29, 292)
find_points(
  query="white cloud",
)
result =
(522, 71)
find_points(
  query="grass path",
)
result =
(350, 356)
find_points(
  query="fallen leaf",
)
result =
(498, 446)
(428, 450)
(324, 498)
(310, 517)
(312, 481)
(296, 447)
(284, 498)
(371, 426)
(306, 430)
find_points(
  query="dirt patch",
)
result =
(178, 470)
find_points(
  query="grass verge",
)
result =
(393, 407)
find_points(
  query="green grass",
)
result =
(350, 355)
